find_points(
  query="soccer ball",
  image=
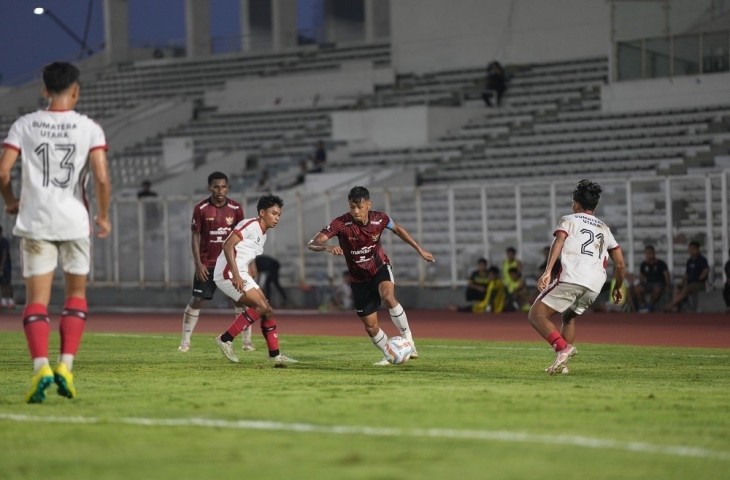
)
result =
(398, 350)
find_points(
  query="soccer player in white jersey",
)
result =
(57, 147)
(583, 243)
(232, 277)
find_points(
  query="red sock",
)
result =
(244, 320)
(73, 321)
(37, 329)
(557, 341)
(268, 328)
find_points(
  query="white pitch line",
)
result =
(486, 435)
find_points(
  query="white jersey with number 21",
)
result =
(54, 148)
(585, 253)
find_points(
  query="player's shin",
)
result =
(380, 340)
(271, 335)
(190, 319)
(400, 320)
(245, 319)
(37, 329)
(73, 322)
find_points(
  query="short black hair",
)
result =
(493, 270)
(694, 244)
(483, 260)
(649, 247)
(217, 176)
(511, 249)
(358, 194)
(58, 76)
(587, 194)
(268, 201)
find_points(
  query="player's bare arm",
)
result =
(229, 250)
(103, 190)
(406, 237)
(201, 271)
(318, 243)
(7, 160)
(555, 250)
(619, 269)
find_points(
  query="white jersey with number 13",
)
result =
(54, 148)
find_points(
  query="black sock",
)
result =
(226, 337)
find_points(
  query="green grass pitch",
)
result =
(463, 410)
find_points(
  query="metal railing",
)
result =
(150, 242)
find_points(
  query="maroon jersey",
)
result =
(361, 243)
(214, 224)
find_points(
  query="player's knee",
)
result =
(264, 311)
(389, 300)
(196, 303)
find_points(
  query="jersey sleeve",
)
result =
(196, 222)
(389, 223)
(13, 138)
(611, 243)
(334, 227)
(98, 140)
(563, 226)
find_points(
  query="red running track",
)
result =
(684, 330)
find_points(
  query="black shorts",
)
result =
(365, 295)
(204, 290)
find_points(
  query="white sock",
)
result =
(39, 362)
(68, 359)
(400, 320)
(379, 340)
(246, 334)
(190, 319)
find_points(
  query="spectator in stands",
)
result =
(320, 158)
(556, 268)
(694, 279)
(146, 190)
(518, 296)
(496, 84)
(341, 297)
(654, 280)
(269, 268)
(726, 290)
(510, 261)
(264, 181)
(476, 287)
(6, 289)
(478, 281)
(301, 176)
(494, 298)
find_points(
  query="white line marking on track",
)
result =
(486, 435)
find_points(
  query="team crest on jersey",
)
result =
(375, 237)
(229, 220)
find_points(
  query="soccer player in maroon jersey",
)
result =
(358, 233)
(213, 219)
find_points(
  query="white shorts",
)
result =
(39, 257)
(563, 296)
(226, 286)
